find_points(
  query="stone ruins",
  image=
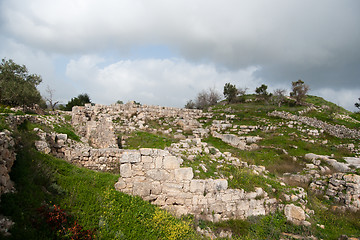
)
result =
(158, 175)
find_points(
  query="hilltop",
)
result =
(248, 170)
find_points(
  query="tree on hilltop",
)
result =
(279, 96)
(299, 91)
(80, 100)
(262, 92)
(230, 92)
(358, 104)
(204, 99)
(17, 86)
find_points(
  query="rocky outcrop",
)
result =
(156, 176)
(7, 158)
(343, 188)
(242, 143)
(339, 131)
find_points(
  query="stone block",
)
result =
(158, 162)
(182, 174)
(221, 184)
(120, 184)
(142, 189)
(146, 159)
(158, 174)
(294, 214)
(156, 188)
(197, 186)
(171, 162)
(145, 151)
(125, 170)
(130, 157)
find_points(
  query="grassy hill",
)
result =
(92, 205)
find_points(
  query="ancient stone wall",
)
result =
(95, 123)
(339, 131)
(7, 158)
(156, 176)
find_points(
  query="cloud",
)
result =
(316, 41)
(166, 82)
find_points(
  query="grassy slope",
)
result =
(87, 195)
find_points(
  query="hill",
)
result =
(248, 171)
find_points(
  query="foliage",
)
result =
(80, 100)
(67, 129)
(299, 91)
(204, 99)
(88, 197)
(63, 224)
(358, 104)
(119, 102)
(17, 86)
(278, 96)
(230, 92)
(262, 92)
(190, 104)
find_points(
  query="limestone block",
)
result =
(125, 170)
(221, 184)
(171, 162)
(158, 162)
(147, 166)
(142, 189)
(182, 174)
(156, 188)
(130, 157)
(146, 159)
(120, 184)
(172, 189)
(158, 174)
(197, 186)
(145, 151)
(61, 136)
(294, 214)
(243, 205)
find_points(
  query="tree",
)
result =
(49, 98)
(17, 86)
(358, 104)
(241, 94)
(299, 91)
(80, 100)
(262, 92)
(279, 96)
(190, 104)
(230, 92)
(204, 99)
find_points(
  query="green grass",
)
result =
(3, 124)
(335, 223)
(88, 196)
(67, 129)
(319, 101)
(148, 140)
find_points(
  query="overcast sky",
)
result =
(163, 52)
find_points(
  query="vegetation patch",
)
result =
(88, 196)
(148, 140)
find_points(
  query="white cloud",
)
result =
(316, 41)
(38, 62)
(166, 82)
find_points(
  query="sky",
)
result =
(161, 52)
